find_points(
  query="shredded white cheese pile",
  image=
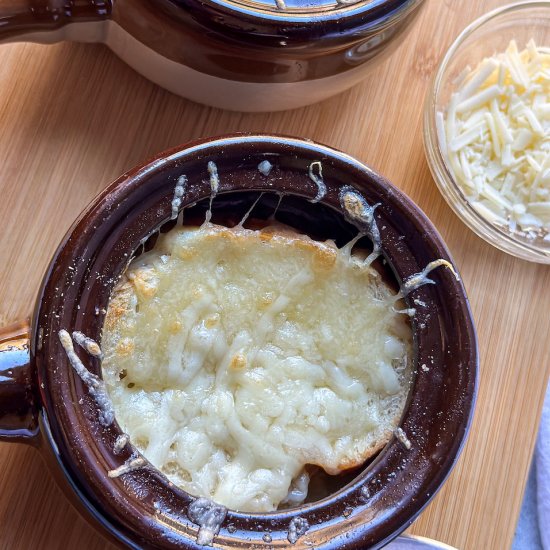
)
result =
(495, 135)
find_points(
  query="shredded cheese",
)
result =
(132, 464)
(315, 173)
(265, 167)
(88, 344)
(402, 437)
(96, 386)
(209, 516)
(495, 135)
(179, 191)
(297, 528)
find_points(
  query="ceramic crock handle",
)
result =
(18, 419)
(22, 20)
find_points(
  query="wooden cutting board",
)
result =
(73, 117)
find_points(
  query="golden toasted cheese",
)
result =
(236, 357)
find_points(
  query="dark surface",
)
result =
(22, 16)
(83, 272)
(18, 414)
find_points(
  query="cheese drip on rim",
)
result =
(236, 357)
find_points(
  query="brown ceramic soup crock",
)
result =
(44, 403)
(244, 55)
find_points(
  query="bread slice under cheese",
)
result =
(236, 357)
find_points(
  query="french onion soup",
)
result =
(242, 361)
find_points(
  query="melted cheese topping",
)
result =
(496, 137)
(235, 357)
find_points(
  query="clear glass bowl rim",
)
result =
(443, 177)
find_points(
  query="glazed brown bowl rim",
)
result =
(87, 473)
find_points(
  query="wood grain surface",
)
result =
(73, 117)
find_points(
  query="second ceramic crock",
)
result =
(43, 401)
(243, 55)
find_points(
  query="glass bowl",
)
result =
(485, 37)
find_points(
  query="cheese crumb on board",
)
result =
(495, 135)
